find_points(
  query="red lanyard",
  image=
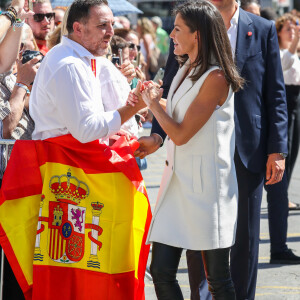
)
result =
(93, 65)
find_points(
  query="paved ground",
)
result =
(275, 282)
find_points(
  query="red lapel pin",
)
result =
(249, 33)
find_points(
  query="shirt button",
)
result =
(167, 163)
(168, 138)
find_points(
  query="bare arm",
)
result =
(197, 114)
(295, 41)
(9, 49)
(17, 100)
(10, 45)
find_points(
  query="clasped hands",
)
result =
(145, 94)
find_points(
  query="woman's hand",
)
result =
(139, 74)
(22, 8)
(152, 94)
(127, 69)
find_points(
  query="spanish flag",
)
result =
(74, 219)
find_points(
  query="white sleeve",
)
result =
(287, 59)
(79, 107)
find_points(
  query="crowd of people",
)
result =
(81, 71)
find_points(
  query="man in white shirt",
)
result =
(66, 95)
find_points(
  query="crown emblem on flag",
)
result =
(97, 205)
(68, 188)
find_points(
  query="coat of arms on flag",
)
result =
(83, 218)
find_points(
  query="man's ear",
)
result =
(77, 28)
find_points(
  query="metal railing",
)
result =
(4, 146)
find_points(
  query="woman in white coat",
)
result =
(197, 201)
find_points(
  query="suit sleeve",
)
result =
(275, 97)
(170, 71)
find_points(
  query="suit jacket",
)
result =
(260, 107)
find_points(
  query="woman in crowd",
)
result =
(197, 201)
(15, 122)
(131, 37)
(147, 39)
(288, 37)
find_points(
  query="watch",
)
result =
(284, 155)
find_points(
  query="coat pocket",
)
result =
(197, 178)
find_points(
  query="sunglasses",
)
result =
(57, 23)
(40, 17)
(132, 46)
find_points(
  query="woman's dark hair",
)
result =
(246, 3)
(80, 10)
(117, 43)
(213, 42)
(124, 32)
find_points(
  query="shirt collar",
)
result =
(80, 50)
(235, 19)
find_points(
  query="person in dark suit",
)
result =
(261, 135)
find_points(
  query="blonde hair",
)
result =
(64, 30)
(54, 38)
(59, 31)
(147, 27)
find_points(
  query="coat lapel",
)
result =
(176, 80)
(244, 37)
(187, 84)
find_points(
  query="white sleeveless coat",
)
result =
(197, 201)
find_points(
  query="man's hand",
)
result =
(148, 145)
(275, 168)
(27, 71)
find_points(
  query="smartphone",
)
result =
(120, 57)
(138, 59)
(115, 60)
(136, 62)
(30, 5)
(159, 75)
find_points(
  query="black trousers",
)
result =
(164, 266)
(11, 288)
(244, 253)
(278, 211)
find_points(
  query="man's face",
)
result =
(222, 5)
(43, 26)
(98, 30)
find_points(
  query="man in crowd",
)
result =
(42, 23)
(70, 98)
(277, 194)
(162, 37)
(261, 137)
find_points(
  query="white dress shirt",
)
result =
(232, 31)
(291, 67)
(66, 97)
(115, 90)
